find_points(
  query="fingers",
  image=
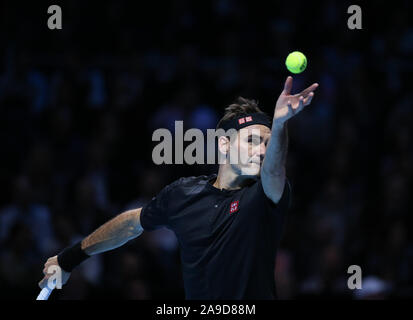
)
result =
(43, 282)
(46, 268)
(46, 272)
(308, 99)
(293, 110)
(310, 89)
(288, 85)
(290, 107)
(300, 104)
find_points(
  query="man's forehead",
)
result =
(258, 129)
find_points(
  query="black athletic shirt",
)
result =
(228, 238)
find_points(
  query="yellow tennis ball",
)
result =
(296, 62)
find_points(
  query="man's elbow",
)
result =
(273, 185)
(134, 228)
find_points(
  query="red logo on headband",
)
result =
(243, 120)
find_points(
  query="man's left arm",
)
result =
(273, 172)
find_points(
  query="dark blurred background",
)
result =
(79, 106)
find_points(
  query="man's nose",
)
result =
(260, 152)
(263, 149)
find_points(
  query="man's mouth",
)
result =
(256, 162)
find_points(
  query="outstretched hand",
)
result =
(47, 271)
(289, 105)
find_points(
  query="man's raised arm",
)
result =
(273, 173)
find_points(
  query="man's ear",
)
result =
(223, 145)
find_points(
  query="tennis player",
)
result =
(228, 224)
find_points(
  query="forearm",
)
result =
(273, 169)
(277, 149)
(113, 233)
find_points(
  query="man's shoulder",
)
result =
(187, 186)
(191, 181)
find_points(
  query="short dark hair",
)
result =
(240, 107)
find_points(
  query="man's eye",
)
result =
(255, 140)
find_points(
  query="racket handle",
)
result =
(44, 293)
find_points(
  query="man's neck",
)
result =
(229, 180)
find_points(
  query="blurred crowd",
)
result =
(79, 106)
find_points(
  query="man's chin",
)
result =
(251, 171)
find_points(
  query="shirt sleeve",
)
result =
(154, 213)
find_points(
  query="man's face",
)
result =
(247, 149)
